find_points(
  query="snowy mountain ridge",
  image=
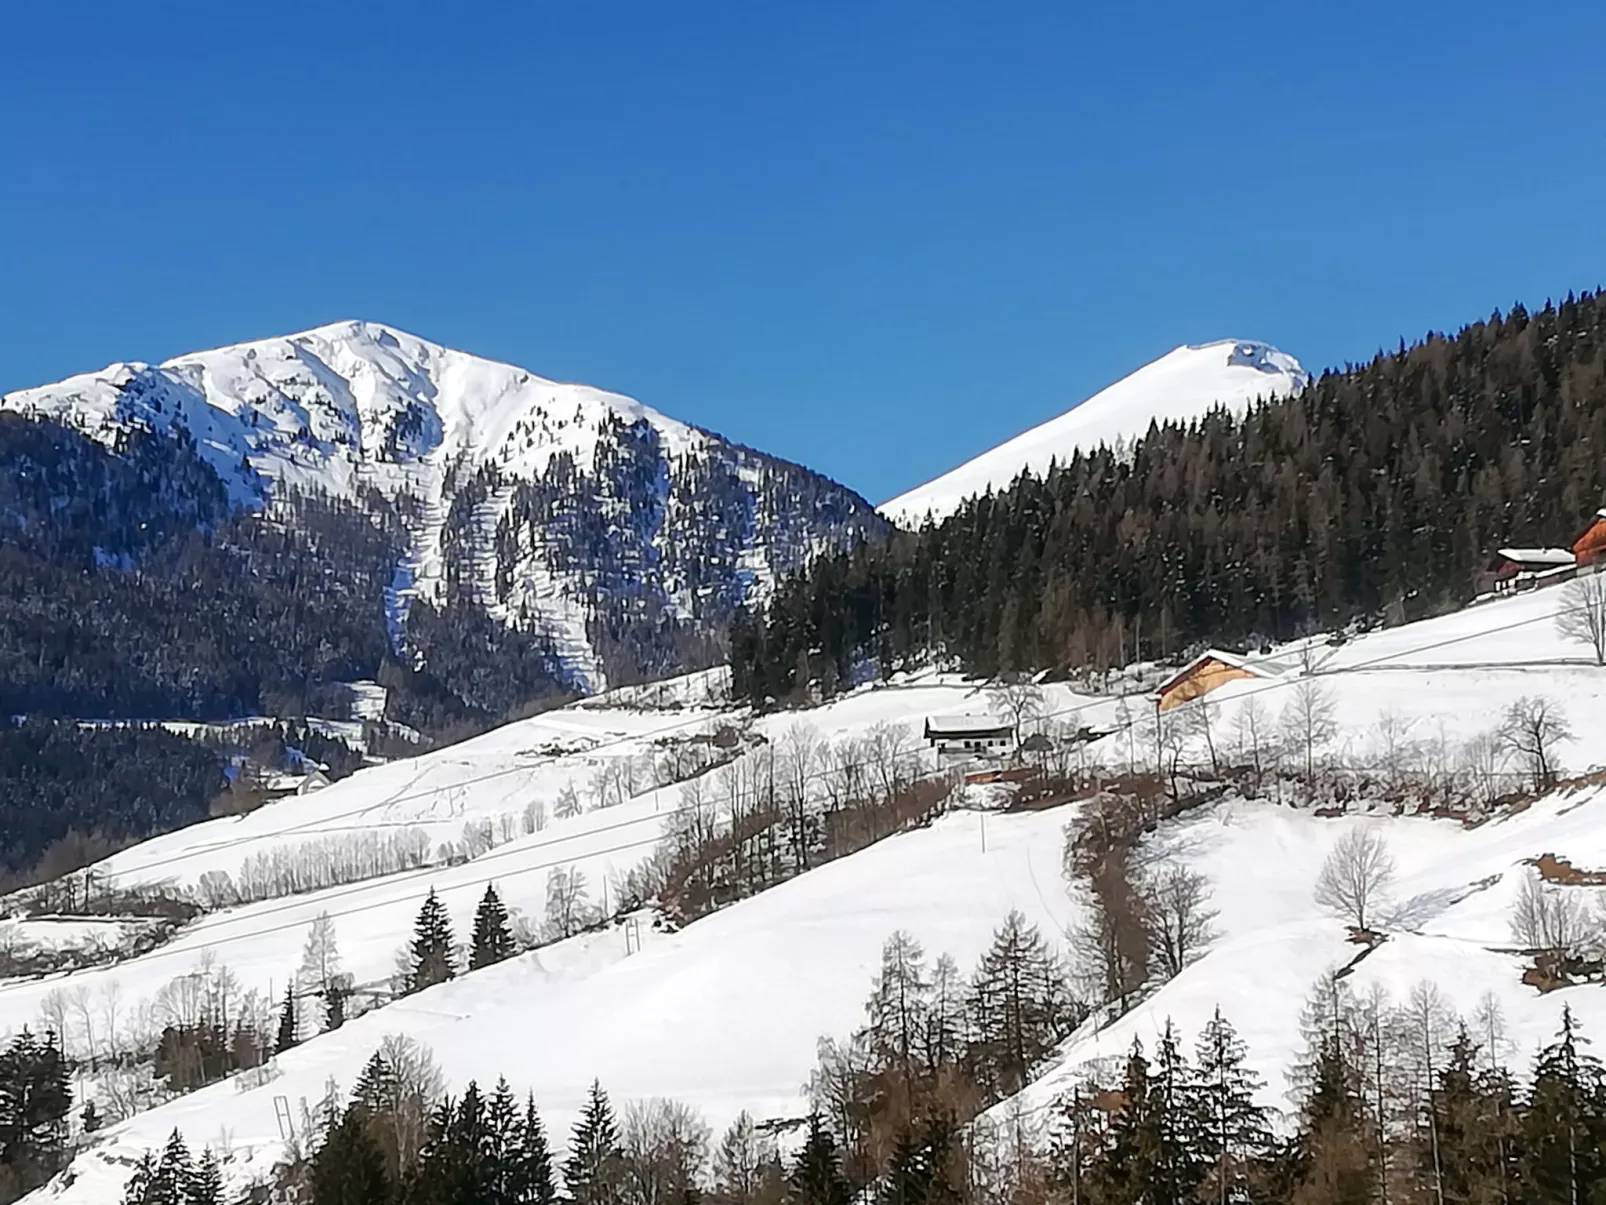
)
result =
(536, 500)
(1184, 384)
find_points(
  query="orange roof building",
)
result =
(1213, 669)
(1591, 546)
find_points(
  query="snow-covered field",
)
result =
(726, 1013)
(1185, 383)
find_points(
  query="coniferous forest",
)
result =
(1375, 497)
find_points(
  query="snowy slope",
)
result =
(744, 994)
(1183, 384)
(747, 991)
(1450, 927)
(539, 501)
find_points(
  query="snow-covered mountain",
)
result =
(1183, 384)
(559, 509)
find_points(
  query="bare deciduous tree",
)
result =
(1178, 915)
(1252, 734)
(567, 911)
(1309, 721)
(1583, 614)
(890, 755)
(1019, 699)
(408, 1090)
(1549, 917)
(1483, 757)
(1110, 944)
(1532, 728)
(664, 1148)
(746, 1166)
(534, 816)
(567, 804)
(1200, 719)
(1396, 750)
(1355, 880)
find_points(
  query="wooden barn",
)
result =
(1590, 548)
(1211, 669)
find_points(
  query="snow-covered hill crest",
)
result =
(554, 507)
(1185, 383)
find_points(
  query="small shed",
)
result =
(969, 734)
(1211, 669)
(1590, 548)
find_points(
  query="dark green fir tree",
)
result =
(591, 1173)
(432, 955)
(493, 936)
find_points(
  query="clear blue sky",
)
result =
(874, 237)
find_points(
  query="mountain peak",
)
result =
(1185, 383)
(521, 494)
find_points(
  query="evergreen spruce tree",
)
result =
(287, 1021)
(175, 1173)
(432, 954)
(591, 1173)
(816, 1177)
(1179, 1162)
(137, 1189)
(493, 938)
(334, 1006)
(1563, 1138)
(501, 1147)
(1332, 1158)
(1125, 1170)
(533, 1180)
(376, 1086)
(1472, 1118)
(206, 1184)
(349, 1168)
(449, 1167)
(1234, 1134)
(35, 1102)
(909, 1176)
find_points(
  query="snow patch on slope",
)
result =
(1183, 384)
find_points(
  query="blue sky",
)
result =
(874, 237)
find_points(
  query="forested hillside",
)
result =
(1376, 496)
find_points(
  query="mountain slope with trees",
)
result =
(246, 531)
(1375, 496)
